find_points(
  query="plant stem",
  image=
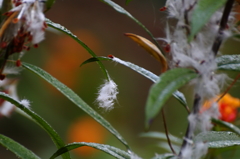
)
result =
(166, 132)
(190, 129)
(219, 38)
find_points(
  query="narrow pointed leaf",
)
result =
(162, 136)
(123, 11)
(218, 139)
(67, 92)
(227, 125)
(202, 13)
(161, 91)
(165, 156)
(178, 95)
(229, 62)
(49, 4)
(150, 48)
(19, 150)
(95, 59)
(113, 151)
(164, 145)
(74, 37)
(36, 118)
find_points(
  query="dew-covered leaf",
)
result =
(113, 151)
(19, 150)
(67, 92)
(229, 62)
(40, 121)
(227, 125)
(202, 13)
(162, 90)
(161, 136)
(164, 156)
(218, 139)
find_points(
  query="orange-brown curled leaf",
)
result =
(150, 48)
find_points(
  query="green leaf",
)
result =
(49, 4)
(229, 62)
(165, 156)
(95, 59)
(123, 11)
(218, 139)
(202, 12)
(127, 1)
(162, 136)
(67, 92)
(113, 151)
(36, 118)
(74, 37)
(161, 91)
(19, 150)
(230, 126)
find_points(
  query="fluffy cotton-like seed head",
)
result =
(200, 150)
(24, 22)
(196, 151)
(107, 94)
(25, 102)
(187, 152)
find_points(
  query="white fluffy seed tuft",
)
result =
(26, 103)
(107, 94)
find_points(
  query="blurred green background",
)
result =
(102, 29)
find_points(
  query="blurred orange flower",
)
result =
(86, 129)
(67, 55)
(227, 106)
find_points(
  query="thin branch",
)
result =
(190, 129)
(229, 87)
(166, 132)
(218, 41)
